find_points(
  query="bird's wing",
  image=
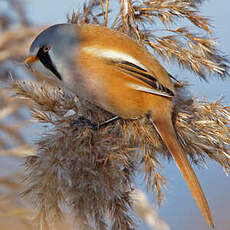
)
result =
(152, 85)
(132, 68)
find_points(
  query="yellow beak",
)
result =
(30, 59)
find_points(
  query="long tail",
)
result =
(168, 135)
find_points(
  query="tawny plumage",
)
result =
(119, 75)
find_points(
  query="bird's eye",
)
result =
(46, 49)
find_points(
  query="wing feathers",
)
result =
(133, 65)
(147, 89)
(133, 68)
(141, 74)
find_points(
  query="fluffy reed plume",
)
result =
(12, 142)
(13, 210)
(13, 43)
(145, 211)
(191, 50)
(91, 172)
(84, 169)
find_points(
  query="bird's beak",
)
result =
(30, 59)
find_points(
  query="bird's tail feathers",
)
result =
(167, 132)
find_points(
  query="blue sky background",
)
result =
(179, 210)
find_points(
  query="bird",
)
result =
(118, 74)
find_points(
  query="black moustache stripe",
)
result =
(45, 59)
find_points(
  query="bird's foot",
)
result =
(84, 122)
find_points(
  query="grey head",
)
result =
(54, 48)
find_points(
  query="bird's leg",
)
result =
(105, 123)
(82, 121)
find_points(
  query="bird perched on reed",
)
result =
(117, 74)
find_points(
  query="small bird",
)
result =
(116, 73)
